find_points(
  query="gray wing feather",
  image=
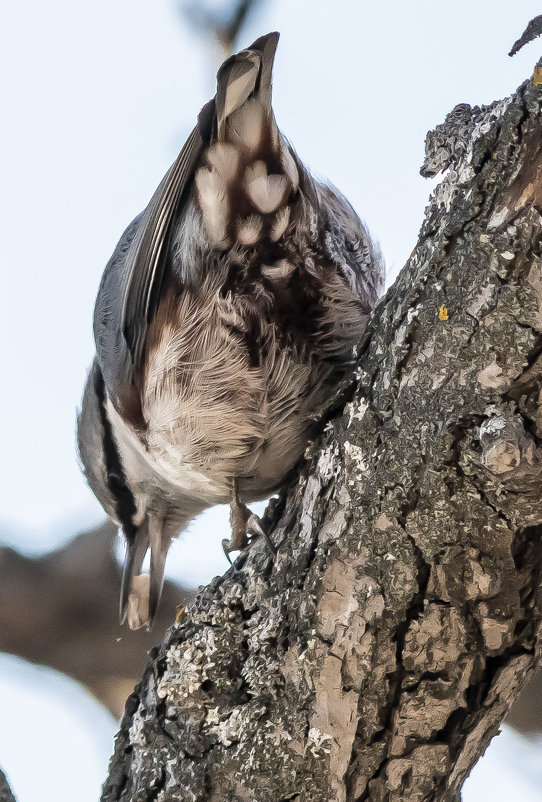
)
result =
(237, 80)
(143, 263)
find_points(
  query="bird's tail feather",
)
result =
(245, 74)
(249, 176)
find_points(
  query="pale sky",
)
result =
(97, 99)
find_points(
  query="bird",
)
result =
(230, 310)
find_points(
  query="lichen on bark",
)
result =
(374, 657)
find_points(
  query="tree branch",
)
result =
(223, 24)
(5, 791)
(375, 656)
(533, 29)
(61, 611)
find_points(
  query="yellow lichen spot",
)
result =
(537, 75)
(443, 313)
(180, 613)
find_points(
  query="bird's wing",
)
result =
(144, 262)
(243, 75)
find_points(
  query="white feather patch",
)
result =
(280, 223)
(279, 271)
(214, 203)
(266, 192)
(289, 166)
(224, 158)
(248, 230)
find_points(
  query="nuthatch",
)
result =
(225, 318)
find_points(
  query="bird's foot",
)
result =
(244, 525)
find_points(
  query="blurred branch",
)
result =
(222, 24)
(61, 611)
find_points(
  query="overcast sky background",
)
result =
(97, 99)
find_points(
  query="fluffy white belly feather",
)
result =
(164, 465)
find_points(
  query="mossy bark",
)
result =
(374, 657)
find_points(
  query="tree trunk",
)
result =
(375, 655)
(5, 790)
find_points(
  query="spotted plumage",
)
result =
(227, 315)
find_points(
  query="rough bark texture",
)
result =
(374, 657)
(533, 29)
(5, 790)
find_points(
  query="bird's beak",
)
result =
(139, 594)
(132, 592)
(159, 548)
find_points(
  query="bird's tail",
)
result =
(245, 75)
(249, 175)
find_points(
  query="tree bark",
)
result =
(374, 657)
(5, 790)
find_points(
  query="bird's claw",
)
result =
(244, 524)
(254, 526)
(256, 529)
(226, 547)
